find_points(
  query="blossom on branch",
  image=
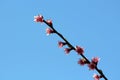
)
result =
(49, 31)
(91, 66)
(67, 50)
(61, 44)
(49, 22)
(82, 61)
(95, 60)
(96, 77)
(93, 63)
(38, 18)
(79, 50)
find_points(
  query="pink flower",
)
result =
(49, 31)
(79, 50)
(82, 61)
(96, 77)
(67, 50)
(91, 66)
(95, 60)
(38, 18)
(49, 22)
(61, 44)
(93, 63)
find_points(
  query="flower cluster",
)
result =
(93, 63)
(80, 51)
(40, 18)
(61, 44)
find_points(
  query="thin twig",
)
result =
(73, 48)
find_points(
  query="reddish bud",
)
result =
(82, 61)
(91, 66)
(95, 60)
(79, 50)
(96, 77)
(38, 18)
(61, 44)
(67, 50)
(49, 31)
(49, 22)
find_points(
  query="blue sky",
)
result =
(26, 53)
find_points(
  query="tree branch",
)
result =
(73, 48)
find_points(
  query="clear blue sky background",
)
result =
(26, 53)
